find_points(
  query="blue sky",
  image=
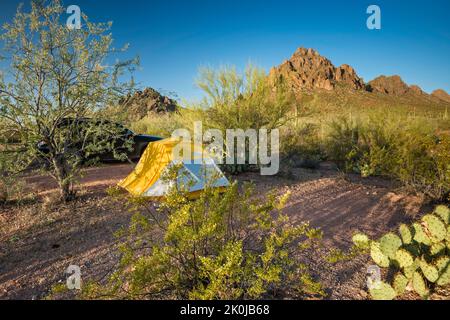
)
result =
(175, 38)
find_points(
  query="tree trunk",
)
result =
(64, 178)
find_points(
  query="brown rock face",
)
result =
(148, 101)
(441, 94)
(307, 70)
(416, 90)
(393, 85)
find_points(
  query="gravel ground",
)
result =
(39, 241)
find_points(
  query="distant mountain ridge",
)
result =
(308, 71)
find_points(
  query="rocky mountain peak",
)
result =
(392, 85)
(308, 70)
(441, 94)
(142, 103)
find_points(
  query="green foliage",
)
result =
(361, 241)
(389, 244)
(395, 146)
(241, 101)
(420, 259)
(406, 233)
(383, 291)
(400, 283)
(230, 245)
(443, 212)
(377, 255)
(300, 145)
(58, 74)
(11, 165)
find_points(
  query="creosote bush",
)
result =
(408, 150)
(417, 257)
(229, 245)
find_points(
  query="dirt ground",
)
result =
(38, 241)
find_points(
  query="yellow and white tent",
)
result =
(197, 170)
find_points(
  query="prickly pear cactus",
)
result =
(444, 213)
(361, 240)
(420, 285)
(434, 228)
(400, 283)
(420, 236)
(442, 263)
(406, 232)
(404, 258)
(444, 278)
(383, 291)
(419, 256)
(389, 244)
(378, 255)
(430, 272)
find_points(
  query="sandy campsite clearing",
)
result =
(38, 242)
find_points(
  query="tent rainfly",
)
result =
(146, 179)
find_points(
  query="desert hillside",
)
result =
(325, 87)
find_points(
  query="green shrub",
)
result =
(12, 163)
(158, 125)
(229, 245)
(242, 101)
(417, 257)
(300, 145)
(396, 147)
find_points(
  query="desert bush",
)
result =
(401, 148)
(300, 145)
(158, 125)
(11, 165)
(164, 125)
(44, 59)
(242, 101)
(229, 245)
(418, 258)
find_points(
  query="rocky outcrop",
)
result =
(395, 86)
(142, 103)
(392, 85)
(308, 70)
(415, 89)
(441, 94)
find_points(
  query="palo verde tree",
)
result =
(242, 101)
(57, 77)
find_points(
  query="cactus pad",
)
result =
(418, 256)
(377, 255)
(404, 258)
(441, 263)
(443, 212)
(435, 227)
(444, 278)
(437, 248)
(361, 241)
(400, 283)
(409, 271)
(420, 236)
(430, 272)
(406, 233)
(389, 244)
(382, 291)
(419, 285)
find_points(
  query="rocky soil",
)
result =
(40, 239)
